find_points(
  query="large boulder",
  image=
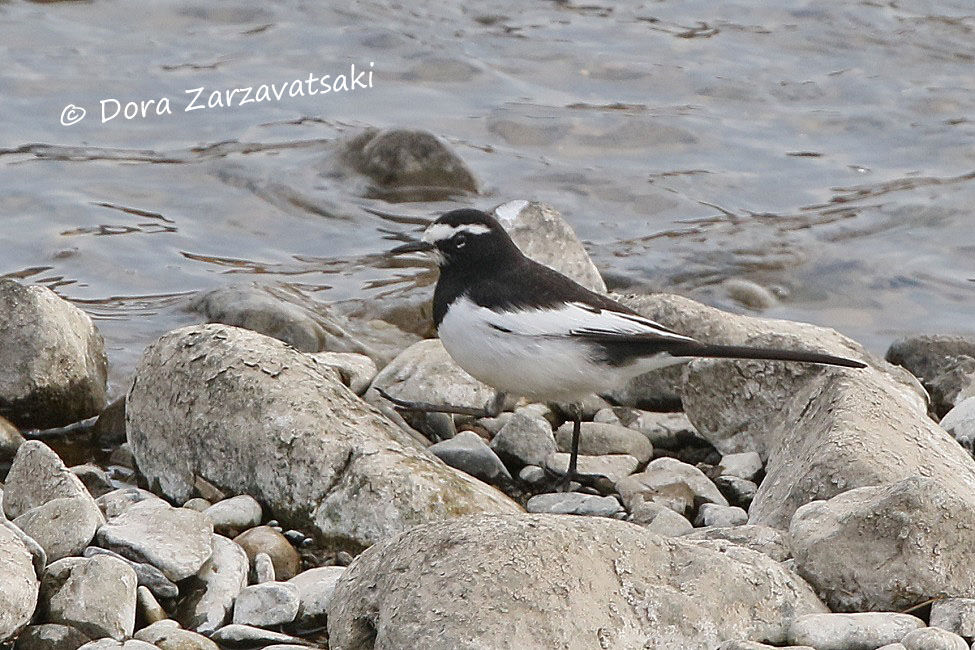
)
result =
(54, 361)
(253, 416)
(887, 547)
(565, 582)
(18, 596)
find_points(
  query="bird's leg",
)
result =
(490, 410)
(573, 474)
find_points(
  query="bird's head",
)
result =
(462, 237)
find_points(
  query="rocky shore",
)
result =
(252, 488)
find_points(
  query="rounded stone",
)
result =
(264, 539)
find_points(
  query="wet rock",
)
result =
(407, 165)
(18, 596)
(660, 519)
(234, 514)
(524, 440)
(772, 542)
(670, 482)
(94, 478)
(54, 359)
(220, 579)
(263, 568)
(357, 370)
(944, 364)
(663, 430)
(245, 636)
(932, 638)
(955, 615)
(865, 631)
(286, 431)
(95, 595)
(147, 575)
(315, 589)
(712, 514)
(62, 526)
(746, 465)
(177, 541)
(614, 467)
(167, 635)
(597, 439)
(887, 547)
(738, 491)
(264, 539)
(118, 501)
(51, 636)
(266, 604)
(623, 586)
(10, 439)
(468, 452)
(960, 423)
(543, 235)
(37, 475)
(574, 503)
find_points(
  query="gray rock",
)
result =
(887, 547)
(235, 514)
(738, 491)
(892, 646)
(246, 636)
(289, 433)
(598, 439)
(533, 475)
(746, 465)
(660, 519)
(266, 604)
(63, 526)
(672, 483)
(114, 644)
(263, 568)
(94, 478)
(614, 467)
(643, 586)
(264, 539)
(664, 430)
(167, 635)
(54, 359)
(198, 503)
(955, 615)
(18, 597)
(95, 595)
(944, 364)
(148, 606)
(174, 540)
(543, 235)
(468, 452)
(712, 514)
(755, 645)
(960, 423)
(10, 439)
(116, 502)
(357, 370)
(932, 638)
(574, 503)
(315, 589)
(525, 440)
(865, 631)
(109, 428)
(772, 542)
(37, 475)
(38, 555)
(50, 636)
(147, 575)
(221, 579)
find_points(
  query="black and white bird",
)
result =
(527, 330)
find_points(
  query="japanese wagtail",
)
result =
(527, 330)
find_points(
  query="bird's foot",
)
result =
(427, 407)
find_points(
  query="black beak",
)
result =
(412, 247)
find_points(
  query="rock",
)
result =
(50, 636)
(264, 539)
(755, 645)
(663, 430)
(245, 636)
(113, 644)
(749, 294)
(199, 504)
(147, 575)
(95, 595)
(574, 503)
(263, 568)
(266, 604)
(54, 359)
(622, 588)
(712, 514)
(737, 491)
(746, 465)
(960, 423)
(597, 439)
(38, 555)
(865, 631)
(670, 482)
(944, 364)
(407, 165)
(166, 635)
(932, 638)
(524, 440)
(533, 475)
(220, 580)
(109, 428)
(770, 541)
(614, 467)
(660, 519)
(357, 370)
(18, 597)
(148, 606)
(62, 527)
(468, 452)
(543, 235)
(174, 540)
(94, 478)
(287, 432)
(234, 514)
(37, 475)
(315, 589)
(887, 547)
(118, 501)
(10, 440)
(955, 615)
(892, 646)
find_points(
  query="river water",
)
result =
(824, 150)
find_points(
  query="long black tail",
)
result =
(747, 352)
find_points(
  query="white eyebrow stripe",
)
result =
(441, 231)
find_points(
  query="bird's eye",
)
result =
(460, 240)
